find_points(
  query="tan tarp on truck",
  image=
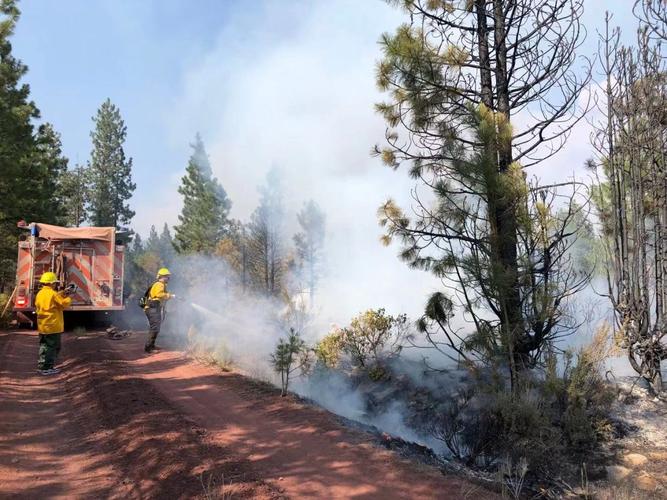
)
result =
(85, 256)
(49, 232)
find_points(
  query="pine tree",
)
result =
(49, 193)
(74, 189)
(204, 218)
(153, 241)
(457, 76)
(265, 240)
(166, 245)
(140, 267)
(137, 246)
(30, 163)
(110, 172)
(310, 242)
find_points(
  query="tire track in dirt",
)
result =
(41, 452)
(98, 431)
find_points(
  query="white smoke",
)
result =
(301, 98)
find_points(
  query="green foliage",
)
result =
(75, 192)
(203, 222)
(144, 259)
(166, 246)
(291, 354)
(31, 161)
(110, 173)
(234, 250)
(48, 187)
(371, 338)
(581, 397)
(330, 349)
(482, 229)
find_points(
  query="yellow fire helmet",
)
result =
(48, 278)
(163, 272)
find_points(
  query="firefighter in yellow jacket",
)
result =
(156, 297)
(49, 305)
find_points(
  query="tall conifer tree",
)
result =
(30, 162)
(110, 171)
(204, 218)
(49, 192)
(166, 245)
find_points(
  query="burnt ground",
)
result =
(118, 423)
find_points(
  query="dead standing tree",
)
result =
(631, 142)
(458, 74)
(653, 16)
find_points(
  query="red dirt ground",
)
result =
(119, 424)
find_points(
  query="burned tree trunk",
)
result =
(631, 197)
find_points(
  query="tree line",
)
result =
(258, 253)
(36, 182)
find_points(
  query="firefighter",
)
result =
(49, 305)
(156, 297)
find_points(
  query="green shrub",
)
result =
(329, 349)
(374, 335)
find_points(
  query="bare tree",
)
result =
(653, 15)
(631, 198)
(462, 76)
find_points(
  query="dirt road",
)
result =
(117, 423)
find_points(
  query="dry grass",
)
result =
(79, 331)
(626, 492)
(216, 488)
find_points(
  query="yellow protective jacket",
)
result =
(158, 292)
(49, 306)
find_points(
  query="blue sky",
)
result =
(80, 52)
(267, 83)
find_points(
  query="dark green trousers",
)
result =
(49, 348)
(154, 315)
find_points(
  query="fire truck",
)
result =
(91, 258)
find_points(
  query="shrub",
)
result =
(580, 398)
(330, 349)
(373, 335)
(560, 415)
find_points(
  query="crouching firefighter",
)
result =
(153, 303)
